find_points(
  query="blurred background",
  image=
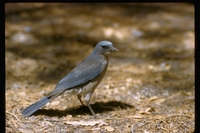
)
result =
(155, 58)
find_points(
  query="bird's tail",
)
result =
(34, 107)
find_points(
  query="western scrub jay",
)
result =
(82, 80)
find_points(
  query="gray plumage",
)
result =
(82, 80)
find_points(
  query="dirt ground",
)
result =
(149, 84)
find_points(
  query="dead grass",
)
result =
(149, 85)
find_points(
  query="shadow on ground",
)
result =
(99, 107)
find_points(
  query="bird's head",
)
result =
(104, 47)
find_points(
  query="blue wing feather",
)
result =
(87, 70)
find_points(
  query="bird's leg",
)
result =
(88, 104)
(87, 99)
(79, 98)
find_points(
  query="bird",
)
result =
(82, 80)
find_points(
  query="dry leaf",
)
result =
(83, 123)
(109, 128)
(159, 101)
(150, 109)
(144, 112)
(102, 123)
(139, 116)
(86, 123)
(153, 98)
(25, 130)
(145, 131)
(95, 129)
(54, 103)
(156, 100)
(22, 94)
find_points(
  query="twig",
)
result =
(12, 126)
(132, 129)
(13, 115)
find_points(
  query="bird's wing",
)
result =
(85, 71)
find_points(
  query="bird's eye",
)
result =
(104, 47)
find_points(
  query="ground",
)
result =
(149, 84)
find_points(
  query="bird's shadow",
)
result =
(98, 107)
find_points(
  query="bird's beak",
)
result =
(113, 49)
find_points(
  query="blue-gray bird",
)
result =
(82, 80)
